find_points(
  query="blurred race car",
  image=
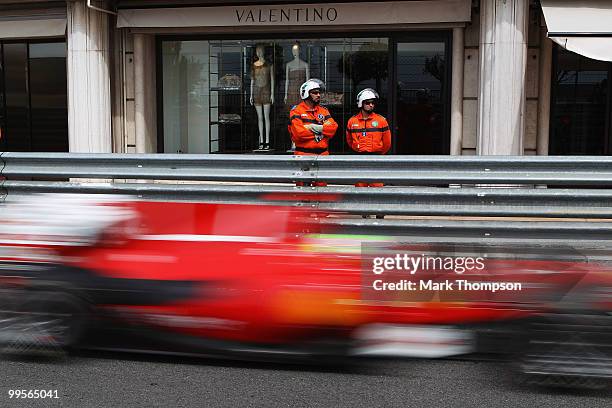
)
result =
(274, 282)
(203, 277)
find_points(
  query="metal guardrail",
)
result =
(417, 186)
(396, 170)
(406, 201)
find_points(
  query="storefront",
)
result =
(214, 99)
(221, 89)
(456, 77)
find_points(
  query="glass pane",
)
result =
(366, 65)
(48, 97)
(578, 122)
(17, 131)
(230, 96)
(48, 50)
(421, 73)
(186, 102)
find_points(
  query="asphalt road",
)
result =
(116, 380)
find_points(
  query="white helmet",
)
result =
(309, 85)
(365, 95)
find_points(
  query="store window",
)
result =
(230, 96)
(580, 108)
(33, 92)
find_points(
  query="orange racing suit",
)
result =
(305, 139)
(369, 135)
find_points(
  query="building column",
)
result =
(503, 57)
(144, 94)
(89, 94)
(456, 137)
(546, 46)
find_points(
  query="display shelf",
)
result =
(226, 99)
(225, 88)
(221, 122)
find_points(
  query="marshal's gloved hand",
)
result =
(317, 130)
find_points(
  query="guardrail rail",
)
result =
(542, 197)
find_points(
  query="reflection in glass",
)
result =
(185, 96)
(578, 120)
(35, 95)
(48, 98)
(421, 72)
(17, 128)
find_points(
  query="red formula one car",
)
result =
(198, 277)
(260, 280)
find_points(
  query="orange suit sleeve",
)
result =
(299, 133)
(386, 139)
(329, 126)
(349, 137)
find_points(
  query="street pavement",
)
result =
(109, 379)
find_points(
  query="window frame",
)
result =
(434, 35)
(27, 43)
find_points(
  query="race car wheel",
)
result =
(45, 321)
(9, 312)
(569, 350)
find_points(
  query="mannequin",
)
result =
(296, 73)
(262, 95)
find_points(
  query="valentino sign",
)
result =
(358, 13)
(289, 15)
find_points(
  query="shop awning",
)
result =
(581, 26)
(308, 14)
(32, 27)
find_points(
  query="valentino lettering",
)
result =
(287, 15)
